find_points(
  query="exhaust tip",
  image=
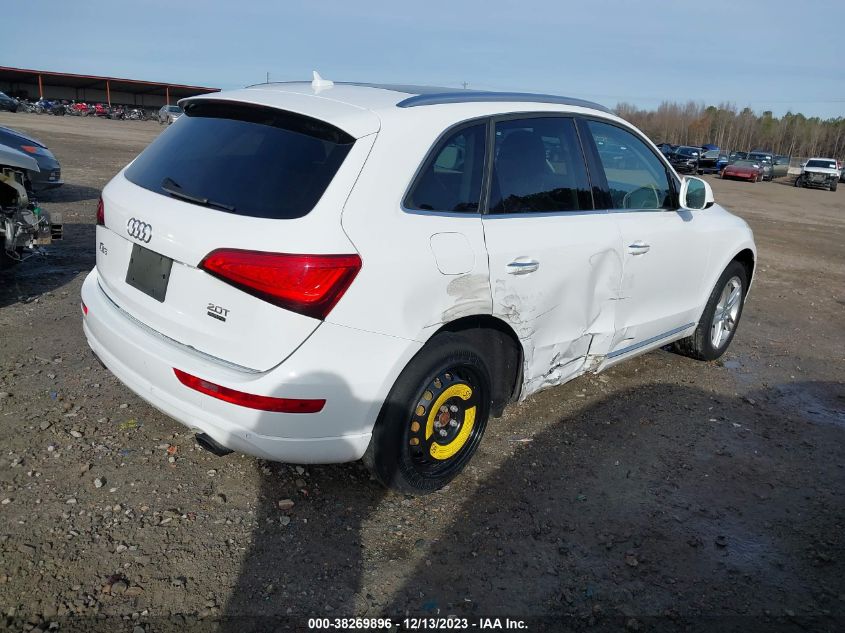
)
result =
(205, 440)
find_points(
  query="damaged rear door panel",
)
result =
(555, 262)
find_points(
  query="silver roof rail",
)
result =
(474, 96)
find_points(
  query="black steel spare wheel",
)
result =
(445, 423)
(434, 418)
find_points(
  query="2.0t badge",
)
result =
(139, 230)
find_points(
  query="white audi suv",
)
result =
(323, 272)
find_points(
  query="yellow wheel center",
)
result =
(445, 451)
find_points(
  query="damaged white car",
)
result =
(24, 226)
(318, 272)
(819, 172)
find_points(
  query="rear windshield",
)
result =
(243, 159)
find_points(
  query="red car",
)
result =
(101, 109)
(743, 170)
(79, 109)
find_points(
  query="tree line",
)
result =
(739, 130)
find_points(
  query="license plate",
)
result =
(149, 272)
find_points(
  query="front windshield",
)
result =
(822, 164)
(688, 151)
(746, 163)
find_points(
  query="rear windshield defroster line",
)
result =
(243, 159)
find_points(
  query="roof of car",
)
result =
(436, 95)
(345, 104)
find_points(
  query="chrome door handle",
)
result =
(638, 248)
(523, 266)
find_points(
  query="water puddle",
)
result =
(822, 402)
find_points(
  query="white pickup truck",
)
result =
(819, 172)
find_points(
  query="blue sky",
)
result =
(766, 54)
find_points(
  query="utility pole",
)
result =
(464, 84)
(268, 77)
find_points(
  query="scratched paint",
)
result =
(469, 295)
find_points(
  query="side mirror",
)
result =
(696, 194)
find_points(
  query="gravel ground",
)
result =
(665, 494)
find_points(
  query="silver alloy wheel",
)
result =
(726, 313)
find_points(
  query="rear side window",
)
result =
(450, 179)
(538, 166)
(243, 159)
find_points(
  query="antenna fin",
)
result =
(318, 83)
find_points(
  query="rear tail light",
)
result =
(308, 284)
(84, 309)
(101, 213)
(252, 401)
(29, 149)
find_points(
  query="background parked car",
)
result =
(50, 175)
(169, 113)
(8, 103)
(819, 172)
(743, 169)
(767, 161)
(101, 110)
(685, 159)
(780, 168)
(712, 161)
(666, 148)
(79, 108)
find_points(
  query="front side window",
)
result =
(538, 166)
(450, 179)
(636, 178)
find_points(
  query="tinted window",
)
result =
(243, 159)
(451, 177)
(636, 178)
(538, 166)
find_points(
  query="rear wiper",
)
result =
(172, 187)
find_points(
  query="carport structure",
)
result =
(37, 84)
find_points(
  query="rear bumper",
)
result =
(352, 369)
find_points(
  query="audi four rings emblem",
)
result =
(139, 230)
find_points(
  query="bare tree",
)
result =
(693, 123)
